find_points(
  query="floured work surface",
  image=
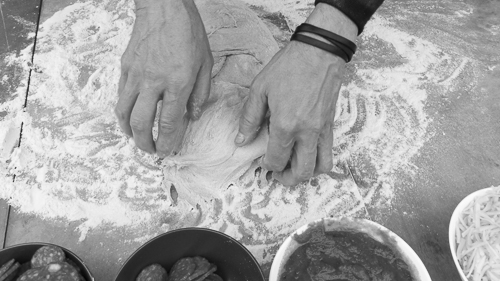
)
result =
(75, 164)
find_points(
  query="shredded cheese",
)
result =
(478, 238)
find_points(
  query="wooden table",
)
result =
(461, 157)
(18, 19)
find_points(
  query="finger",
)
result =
(142, 120)
(303, 161)
(279, 149)
(125, 104)
(324, 161)
(170, 125)
(253, 114)
(200, 94)
(182, 127)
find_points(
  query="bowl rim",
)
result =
(453, 223)
(409, 253)
(201, 229)
(41, 244)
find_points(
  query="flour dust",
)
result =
(75, 164)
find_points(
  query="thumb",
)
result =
(253, 114)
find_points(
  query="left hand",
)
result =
(300, 88)
(168, 58)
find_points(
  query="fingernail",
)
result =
(240, 138)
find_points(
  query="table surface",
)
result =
(461, 157)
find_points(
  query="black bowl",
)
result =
(234, 262)
(23, 252)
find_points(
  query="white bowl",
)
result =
(453, 224)
(374, 230)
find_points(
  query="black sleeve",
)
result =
(359, 11)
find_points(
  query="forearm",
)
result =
(327, 17)
(163, 8)
(330, 18)
(359, 11)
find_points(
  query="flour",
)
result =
(74, 163)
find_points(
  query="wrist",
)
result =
(330, 18)
(160, 8)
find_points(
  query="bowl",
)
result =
(23, 252)
(374, 230)
(454, 221)
(234, 262)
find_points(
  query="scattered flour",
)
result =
(74, 163)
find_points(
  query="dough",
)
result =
(208, 160)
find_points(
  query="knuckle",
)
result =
(246, 123)
(284, 128)
(314, 126)
(133, 72)
(152, 75)
(316, 129)
(185, 69)
(166, 127)
(138, 125)
(178, 82)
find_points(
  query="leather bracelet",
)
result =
(330, 36)
(347, 47)
(333, 49)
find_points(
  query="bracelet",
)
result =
(333, 49)
(330, 36)
(347, 47)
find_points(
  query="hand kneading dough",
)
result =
(208, 160)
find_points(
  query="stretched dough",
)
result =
(208, 160)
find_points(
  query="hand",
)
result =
(168, 58)
(299, 87)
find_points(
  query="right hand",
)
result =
(168, 58)
(299, 88)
